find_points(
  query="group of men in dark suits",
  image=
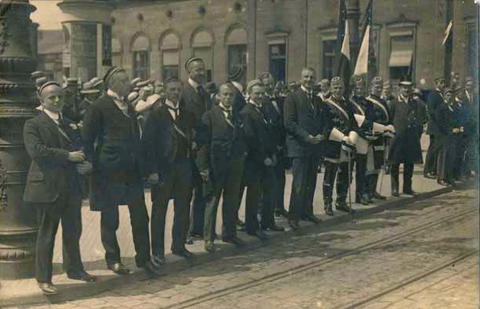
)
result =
(197, 152)
(453, 133)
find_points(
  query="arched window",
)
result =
(202, 48)
(237, 48)
(141, 57)
(170, 56)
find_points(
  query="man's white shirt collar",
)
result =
(306, 90)
(193, 83)
(255, 104)
(238, 86)
(170, 104)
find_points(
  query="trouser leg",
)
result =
(182, 188)
(297, 198)
(197, 212)
(268, 183)
(407, 176)
(160, 198)
(360, 177)
(231, 197)
(329, 181)
(311, 184)
(141, 238)
(109, 225)
(280, 187)
(71, 233)
(394, 176)
(343, 179)
(430, 160)
(47, 230)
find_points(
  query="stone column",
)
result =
(83, 27)
(18, 224)
(353, 16)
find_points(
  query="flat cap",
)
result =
(191, 60)
(112, 71)
(459, 91)
(132, 96)
(37, 74)
(144, 83)
(253, 83)
(438, 79)
(447, 90)
(235, 72)
(264, 75)
(406, 83)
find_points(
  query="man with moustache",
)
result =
(196, 100)
(259, 163)
(305, 122)
(434, 101)
(54, 186)
(273, 108)
(407, 117)
(167, 146)
(225, 161)
(111, 138)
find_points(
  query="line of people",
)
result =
(198, 147)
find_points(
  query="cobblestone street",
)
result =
(421, 255)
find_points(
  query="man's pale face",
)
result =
(308, 79)
(53, 99)
(406, 91)
(387, 90)
(173, 91)
(377, 90)
(257, 93)
(441, 84)
(197, 71)
(269, 84)
(338, 90)
(448, 96)
(325, 88)
(226, 96)
(359, 90)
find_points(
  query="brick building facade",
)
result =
(154, 38)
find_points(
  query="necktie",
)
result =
(176, 110)
(310, 99)
(200, 90)
(228, 117)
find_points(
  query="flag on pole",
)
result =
(342, 58)
(448, 31)
(361, 66)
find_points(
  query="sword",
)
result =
(350, 182)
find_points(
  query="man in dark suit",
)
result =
(112, 141)
(304, 118)
(167, 146)
(54, 186)
(273, 108)
(259, 163)
(434, 100)
(224, 162)
(196, 101)
(471, 101)
(408, 117)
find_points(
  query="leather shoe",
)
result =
(281, 213)
(150, 268)
(260, 234)
(342, 206)
(275, 228)
(429, 176)
(119, 269)
(361, 200)
(82, 276)
(189, 240)
(209, 246)
(183, 253)
(378, 196)
(410, 192)
(240, 223)
(312, 218)
(395, 193)
(48, 288)
(293, 224)
(328, 210)
(234, 240)
(158, 260)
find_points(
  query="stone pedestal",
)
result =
(18, 226)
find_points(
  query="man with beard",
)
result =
(225, 160)
(434, 100)
(407, 116)
(167, 146)
(273, 108)
(196, 100)
(305, 122)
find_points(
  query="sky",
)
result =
(47, 15)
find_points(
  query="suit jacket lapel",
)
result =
(53, 127)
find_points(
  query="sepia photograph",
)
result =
(239, 154)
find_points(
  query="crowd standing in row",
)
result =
(197, 145)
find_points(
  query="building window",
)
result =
(141, 58)
(202, 48)
(237, 48)
(278, 59)
(116, 52)
(402, 48)
(471, 49)
(170, 47)
(329, 47)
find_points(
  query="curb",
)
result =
(71, 292)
